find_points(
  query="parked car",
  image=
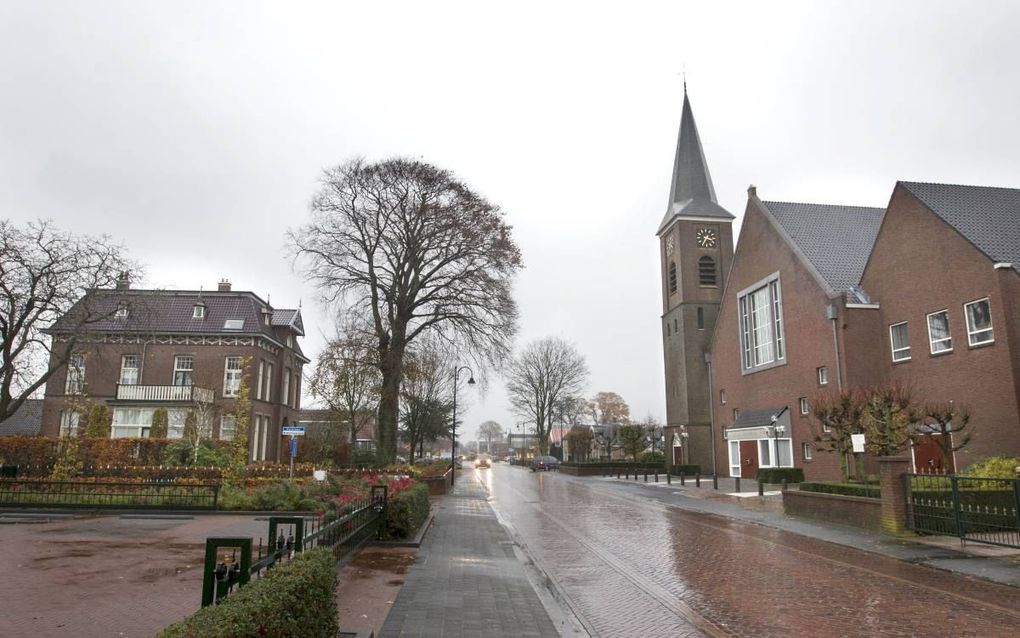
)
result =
(482, 462)
(544, 463)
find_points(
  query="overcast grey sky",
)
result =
(195, 132)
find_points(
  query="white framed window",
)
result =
(823, 375)
(269, 383)
(770, 450)
(262, 374)
(131, 422)
(939, 337)
(734, 458)
(979, 322)
(122, 312)
(802, 403)
(231, 376)
(899, 341)
(175, 420)
(736, 413)
(722, 397)
(826, 428)
(764, 453)
(256, 436)
(198, 312)
(290, 341)
(184, 366)
(805, 451)
(75, 383)
(228, 427)
(129, 369)
(295, 400)
(761, 325)
(286, 387)
(69, 422)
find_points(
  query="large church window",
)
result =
(672, 277)
(706, 272)
(761, 325)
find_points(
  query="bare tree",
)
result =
(609, 407)
(490, 430)
(839, 417)
(347, 379)
(425, 410)
(545, 372)
(45, 275)
(415, 251)
(572, 410)
(944, 421)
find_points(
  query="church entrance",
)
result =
(678, 454)
(749, 459)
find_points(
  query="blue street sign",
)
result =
(293, 430)
(293, 447)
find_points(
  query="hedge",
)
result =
(687, 470)
(405, 513)
(777, 474)
(295, 599)
(845, 489)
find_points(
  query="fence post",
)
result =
(669, 477)
(761, 487)
(955, 487)
(216, 496)
(683, 479)
(697, 480)
(736, 485)
(715, 481)
(209, 593)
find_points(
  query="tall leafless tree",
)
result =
(347, 379)
(490, 430)
(45, 275)
(425, 409)
(544, 373)
(415, 251)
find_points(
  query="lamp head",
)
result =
(471, 380)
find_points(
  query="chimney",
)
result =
(752, 191)
(224, 285)
(124, 280)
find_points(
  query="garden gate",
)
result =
(981, 510)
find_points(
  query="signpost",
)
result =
(857, 441)
(293, 431)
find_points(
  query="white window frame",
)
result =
(175, 418)
(296, 391)
(285, 399)
(805, 451)
(734, 458)
(262, 374)
(187, 374)
(125, 377)
(803, 406)
(122, 312)
(897, 353)
(765, 449)
(131, 423)
(269, 383)
(972, 332)
(949, 330)
(232, 371)
(69, 420)
(75, 381)
(722, 397)
(760, 325)
(772, 445)
(823, 375)
(227, 432)
(198, 311)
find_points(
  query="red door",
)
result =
(749, 459)
(928, 456)
(678, 455)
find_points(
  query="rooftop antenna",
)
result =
(685, 77)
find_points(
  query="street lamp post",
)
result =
(453, 444)
(777, 431)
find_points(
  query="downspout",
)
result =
(711, 409)
(833, 313)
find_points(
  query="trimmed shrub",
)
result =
(845, 489)
(295, 599)
(688, 470)
(364, 458)
(993, 467)
(160, 423)
(777, 474)
(406, 512)
(657, 458)
(274, 497)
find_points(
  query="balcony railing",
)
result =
(164, 393)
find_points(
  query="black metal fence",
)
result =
(981, 510)
(86, 494)
(234, 561)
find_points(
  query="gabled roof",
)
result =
(691, 193)
(289, 319)
(26, 421)
(836, 240)
(988, 217)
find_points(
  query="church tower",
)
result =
(696, 248)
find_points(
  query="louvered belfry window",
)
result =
(706, 272)
(672, 277)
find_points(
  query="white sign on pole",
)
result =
(294, 430)
(858, 442)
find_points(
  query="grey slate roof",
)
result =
(755, 418)
(26, 421)
(171, 312)
(691, 193)
(289, 319)
(837, 240)
(989, 217)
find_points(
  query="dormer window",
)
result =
(198, 312)
(122, 312)
(233, 324)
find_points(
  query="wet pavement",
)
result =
(627, 565)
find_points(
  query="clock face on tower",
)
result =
(706, 238)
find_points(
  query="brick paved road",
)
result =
(632, 567)
(105, 576)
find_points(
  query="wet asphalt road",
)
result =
(631, 567)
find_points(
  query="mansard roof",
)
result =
(987, 216)
(691, 193)
(26, 421)
(836, 240)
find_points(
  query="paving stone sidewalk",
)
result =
(467, 580)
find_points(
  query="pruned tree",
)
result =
(632, 440)
(888, 418)
(579, 440)
(99, 421)
(160, 424)
(425, 409)
(540, 378)
(609, 407)
(45, 275)
(198, 426)
(944, 421)
(488, 431)
(839, 416)
(347, 380)
(417, 252)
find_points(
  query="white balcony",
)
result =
(188, 393)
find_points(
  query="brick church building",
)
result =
(817, 298)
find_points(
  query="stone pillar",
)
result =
(894, 497)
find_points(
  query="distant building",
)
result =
(178, 349)
(26, 421)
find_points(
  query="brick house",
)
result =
(179, 349)
(823, 297)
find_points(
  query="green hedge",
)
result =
(845, 489)
(405, 513)
(777, 474)
(687, 470)
(295, 599)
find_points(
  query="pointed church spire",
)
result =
(691, 193)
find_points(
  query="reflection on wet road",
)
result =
(630, 567)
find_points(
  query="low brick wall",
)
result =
(581, 470)
(848, 510)
(438, 485)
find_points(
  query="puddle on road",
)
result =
(368, 561)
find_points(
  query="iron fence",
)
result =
(241, 560)
(976, 509)
(86, 494)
